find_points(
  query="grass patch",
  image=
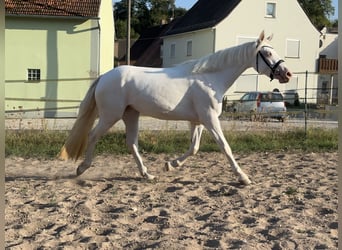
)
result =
(36, 144)
(46, 144)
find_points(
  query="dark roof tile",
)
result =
(204, 14)
(79, 8)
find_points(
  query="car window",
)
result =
(245, 97)
(265, 97)
(277, 97)
(271, 97)
(252, 96)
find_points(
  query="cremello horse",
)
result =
(190, 91)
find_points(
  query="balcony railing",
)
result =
(327, 66)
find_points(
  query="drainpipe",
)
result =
(128, 48)
(99, 49)
(214, 40)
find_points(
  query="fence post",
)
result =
(306, 103)
(331, 88)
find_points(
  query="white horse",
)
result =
(190, 91)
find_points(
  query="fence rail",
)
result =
(39, 109)
(306, 109)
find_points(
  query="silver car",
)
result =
(259, 105)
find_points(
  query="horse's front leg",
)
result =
(131, 120)
(213, 125)
(196, 133)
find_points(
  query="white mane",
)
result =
(231, 56)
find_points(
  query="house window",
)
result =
(33, 74)
(173, 50)
(189, 48)
(271, 9)
(292, 48)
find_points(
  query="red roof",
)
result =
(79, 8)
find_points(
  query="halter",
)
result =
(273, 68)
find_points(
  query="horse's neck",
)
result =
(224, 79)
(224, 67)
(227, 58)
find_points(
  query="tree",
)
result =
(318, 12)
(144, 14)
(335, 23)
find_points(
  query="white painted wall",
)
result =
(107, 35)
(330, 46)
(202, 44)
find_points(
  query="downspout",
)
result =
(99, 49)
(128, 45)
(214, 40)
(95, 49)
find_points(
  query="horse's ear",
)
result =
(261, 37)
(270, 37)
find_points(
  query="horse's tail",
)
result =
(77, 140)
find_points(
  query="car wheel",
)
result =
(235, 114)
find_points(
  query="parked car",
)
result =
(291, 97)
(258, 105)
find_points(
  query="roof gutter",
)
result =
(187, 32)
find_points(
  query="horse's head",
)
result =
(268, 61)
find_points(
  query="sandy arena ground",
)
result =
(292, 203)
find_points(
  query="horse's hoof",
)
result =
(149, 176)
(81, 169)
(168, 166)
(245, 181)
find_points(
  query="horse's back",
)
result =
(158, 92)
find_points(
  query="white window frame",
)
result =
(272, 14)
(33, 75)
(172, 50)
(189, 48)
(290, 51)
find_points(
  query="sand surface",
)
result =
(292, 203)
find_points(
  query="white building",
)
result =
(212, 25)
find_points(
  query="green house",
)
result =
(53, 52)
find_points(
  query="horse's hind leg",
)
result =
(100, 129)
(131, 120)
(196, 133)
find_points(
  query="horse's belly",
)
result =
(164, 101)
(165, 110)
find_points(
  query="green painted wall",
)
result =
(67, 53)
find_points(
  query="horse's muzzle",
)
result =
(284, 76)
